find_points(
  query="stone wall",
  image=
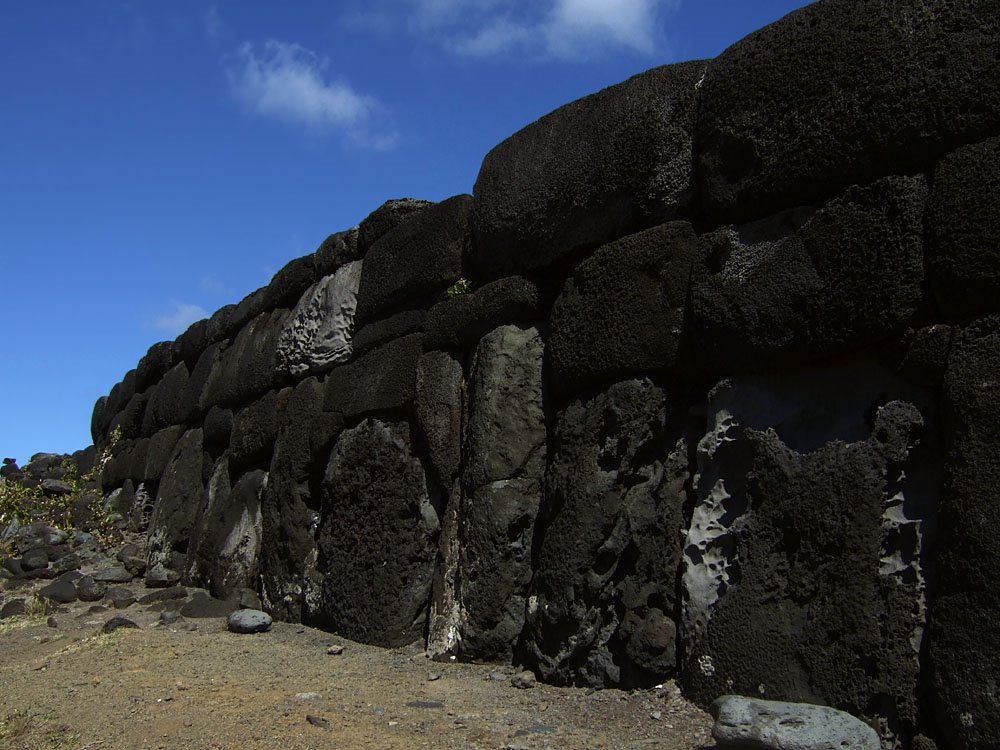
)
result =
(722, 404)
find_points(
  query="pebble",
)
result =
(318, 721)
(335, 650)
(523, 680)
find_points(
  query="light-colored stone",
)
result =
(742, 722)
(249, 621)
(319, 331)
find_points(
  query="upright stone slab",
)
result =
(840, 93)
(178, 507)
(378, 541)
(803, 573)
(965, 628)
(438, 406)
(603, 601)
(503, 468)
(604, 166)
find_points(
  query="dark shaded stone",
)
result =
(117, 623)
(158, 452)
(461, 321)
(90, 590)
(607, 165)
(128, 462)
(386, 218)
(621, 311)
(377, 332)
(129, 420)
(814, 494)
(502, 473)
(807, 106)
(377, 542)
(60, 592)
(248, 368)
(113, 575)
(220, 324)
(120, 597)
(198, 394)
(335, 251)
(218, 428)
(415, 262)
(290, 511)
(155, 364)
(179, 503)
(964, 598)
(248, 308)
(963, 237)
(290, 282)
(922, 355)
(804, 284)
(166, 404)
(438, 407)
(53, 487)
(167, 594)
(193, 341)
(13, 608)
(603, 610)
(202, 605)
(380, 380)
(255, 428)
(35, 559)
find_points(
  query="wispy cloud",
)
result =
(287, 82)
(176, 322)
(212, 22)
(544, 29)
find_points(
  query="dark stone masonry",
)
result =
(722, 402)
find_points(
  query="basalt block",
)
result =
(806, 107)
(461, 321)
(602, 167)
(381, 380)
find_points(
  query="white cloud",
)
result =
(533, 29)
(176, 322)
(287, 82)
(212, 21)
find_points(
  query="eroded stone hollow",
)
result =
(719, 400)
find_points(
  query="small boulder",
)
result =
(116, 623)
(119, 597)
(35, 559)
(742, 723)
(116, 574)
(61, 592)
(523, 680)
(90, 590)
(53, 487)
(249, 621)
(12, 608)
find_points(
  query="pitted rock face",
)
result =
(744, 723)
(318, 333)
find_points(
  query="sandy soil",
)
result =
(192, 684)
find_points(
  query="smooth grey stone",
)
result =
(113, 575)
(249, 621)
(742, 722)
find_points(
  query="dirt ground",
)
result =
(192, 684)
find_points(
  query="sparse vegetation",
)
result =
(460, 287)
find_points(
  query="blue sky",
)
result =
(161, 159)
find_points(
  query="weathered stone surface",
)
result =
(963, 222)
(335, 251)
(965, 631)
(249, 364)
(845, 114)
(224, 550)
(814, 493)
(922, 355)
(445, 616)
(193, 341)
(378, 539)
(416, 261)
(198, 393)
(463, 320)
(166, 405)
(129, 419)
(744, 723)
(804, 284)
(438, 406)
(503, 469)
(290, 508)
(607, 165)
(179, 504)
(60, 592)
(218, 428)
(154, 365)
(385, 218)
(248, 621)
(255, 429)
(319, 330)
(378, 332)
(603, 601)
(621, 311)
(381, 380)
(160, 448)
(128, 461)
(288, 284)
(220, 324)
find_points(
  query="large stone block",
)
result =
(249, 364)
(438, 406)
(803, 576)
(621, 311)
(378, 540)
(840, 93)
(255, 428)
(802, 285)
(154, 365)
(603, 605)
(319, 329)
(385, 218)
(335, 251)
(166, 405)
(461, 321)
(607, 165)
(965, 596)
(179, 503)
(502, 473)
(381, 380)
(415, 262)
(963, 237)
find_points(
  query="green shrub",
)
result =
(460, 287)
